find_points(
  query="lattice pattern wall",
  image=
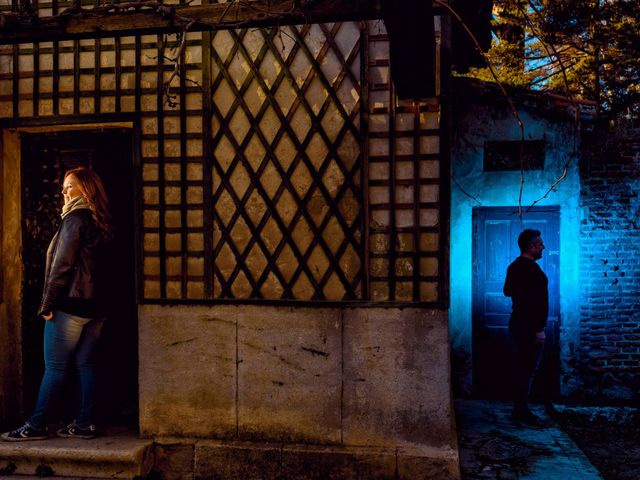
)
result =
(287, 163)
(254, 186)
(404, 183)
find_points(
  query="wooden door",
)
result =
(45, 159)
(495, 246)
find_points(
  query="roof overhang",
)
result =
(153, 17)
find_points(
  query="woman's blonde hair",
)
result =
(92, 190)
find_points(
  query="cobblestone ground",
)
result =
(610, 437)
(493, 447)
(496, 456)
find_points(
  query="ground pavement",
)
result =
(492, 446)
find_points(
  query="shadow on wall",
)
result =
(461, 367)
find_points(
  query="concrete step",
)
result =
(118, 453)
(54, 477)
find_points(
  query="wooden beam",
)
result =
(145, 17)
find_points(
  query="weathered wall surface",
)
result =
(489, 121)
(608, 356)
(368, 377)
(10, 279)
(206, 459)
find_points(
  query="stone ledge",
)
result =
(178, 459)
(117, 454)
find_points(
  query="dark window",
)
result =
(506, 155)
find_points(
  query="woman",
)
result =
(71, 305)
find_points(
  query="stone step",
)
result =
(119, 453)
(35, 477)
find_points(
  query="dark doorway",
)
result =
(495, 235)
(45, 159)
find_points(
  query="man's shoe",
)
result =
(526, 417)
(25, 433)
(73, 430)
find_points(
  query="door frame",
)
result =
(552, 346)
(11, 265)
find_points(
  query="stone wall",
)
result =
(608, 357)
(337, 378)
(180, 459)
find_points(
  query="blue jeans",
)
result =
(68, 340)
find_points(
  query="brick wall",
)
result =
(608, 357)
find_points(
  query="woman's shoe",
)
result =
(25, 433)
(73, 430)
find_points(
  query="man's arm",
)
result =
(508, 283)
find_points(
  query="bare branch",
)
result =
(543, 56)
(552, 187)
(547, 48)
(563, 69)
(464, 191)
(177, 64)
(514, 111)
(551, 75)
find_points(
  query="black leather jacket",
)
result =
(72, 267)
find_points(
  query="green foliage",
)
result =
(586, 49)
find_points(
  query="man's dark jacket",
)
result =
(527, 285)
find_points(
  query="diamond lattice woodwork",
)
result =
(288, 171)
(286, 194)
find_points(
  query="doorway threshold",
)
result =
(117, 453)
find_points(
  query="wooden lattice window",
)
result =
(286, 195)
(287, 172)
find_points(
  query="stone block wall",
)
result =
(304, 382)
(180, 459)
(608, 357)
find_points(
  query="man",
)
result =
(526, 284)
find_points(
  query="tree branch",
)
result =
(514, 111)
(464, 191)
